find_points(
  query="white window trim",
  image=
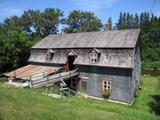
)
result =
(108, 84)
(93, 57)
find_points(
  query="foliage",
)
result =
(43, 23)
(149, 36)
(15, 44)
(148, 65)
(18, 34)
(79, 21)
(106, 94)
(15, 104)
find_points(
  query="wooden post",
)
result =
(71, 83)
(14, 74)
(31, 83)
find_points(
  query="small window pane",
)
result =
(95, 54)
(93, 57)
(106, 86)
(105, 82)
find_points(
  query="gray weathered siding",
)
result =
(121, 82)
(114, 64)
(137, 68)
(108, 57)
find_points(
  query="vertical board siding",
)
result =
(121, 82)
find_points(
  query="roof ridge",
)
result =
(93, 32)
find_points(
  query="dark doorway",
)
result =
(71, 59)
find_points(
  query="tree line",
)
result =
(18, 34)
(149, 36)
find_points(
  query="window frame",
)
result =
(49, 55)
(83, 79)
(108, 86)
(93, 57)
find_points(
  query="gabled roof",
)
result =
(106, 39)
(72, 53)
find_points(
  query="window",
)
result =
(93, 57)
(49, 55)
(107, 86)
(83, 84)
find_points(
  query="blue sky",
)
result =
(102, 8)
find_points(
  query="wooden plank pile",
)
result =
(36, 83)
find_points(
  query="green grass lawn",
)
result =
(29, 104)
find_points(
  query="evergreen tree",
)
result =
(110, 23)
(121, 21)
(149, 36)
(136, 21)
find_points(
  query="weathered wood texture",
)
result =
(108, 57)
(36, 83)
(121, 82)
(106, 39)
(28, 71)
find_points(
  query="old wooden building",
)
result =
(98, 64)
(109, 62)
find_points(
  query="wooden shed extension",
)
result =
(24, 73)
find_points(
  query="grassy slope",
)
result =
(27, 104)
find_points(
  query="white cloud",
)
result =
(93, 5)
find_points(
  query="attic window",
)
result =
(93, 56)
(49, 55)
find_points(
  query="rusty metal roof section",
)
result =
(27, 71)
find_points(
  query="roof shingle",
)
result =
(106, 39)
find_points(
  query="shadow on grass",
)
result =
(155, 104)
(3, 80)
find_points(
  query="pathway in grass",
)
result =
(28, 104)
